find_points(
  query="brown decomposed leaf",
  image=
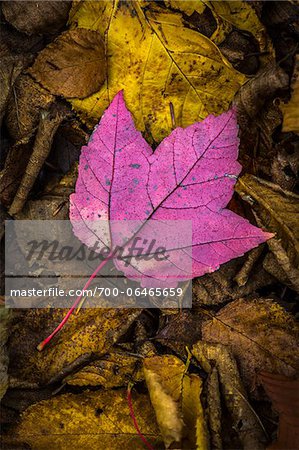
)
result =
(17, 43)
(176, 331)
(10, 69)
(220, 286)
(258, 117)
(252, 96)
(285, 165)
(242, 276)
(261, 336)
(73, 65)
(242, 51)
(5, 318)
(245, 422)
(49, 123)
(277, 210)
(291, 273)
(284, 394)
(37, 16)
(214, 409)
(282, 270)
(14, 168)
(44, 209)
(24, 106)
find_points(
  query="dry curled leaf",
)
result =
(13, 171)
(256, 91)
(48, 125)
(179, 329)
(73, 65)
(36, 16)
(91, 420)
(220, 286)
(277, 210)
(214, 409)
(258, 117)
(53, 203)
(244, 420)
(260, 334)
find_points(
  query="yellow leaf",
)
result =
(97, 420)
(242, 15)
(157, 61)
(193, 412)
(113, 370)
(187, 6)
(91, 332)
(291, 109)
(175, 397)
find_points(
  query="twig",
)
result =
(48, 124)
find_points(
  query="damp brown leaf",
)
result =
(36, 16)
(244, 420)
(284, 394)
(24, 106)
(73, 65)
(260, 334)
(277, 210)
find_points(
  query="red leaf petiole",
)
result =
(42, 345)
(129, 398)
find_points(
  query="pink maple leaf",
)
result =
(189, 177)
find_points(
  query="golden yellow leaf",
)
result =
(193, 412)
(98, 420)
(113, 370)
(175, 397)
(187, 6)
(241, 15)
(228, 15)
(157, 61)
(92, 331)
(291, 109)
